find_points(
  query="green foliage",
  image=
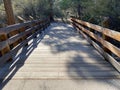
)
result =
(94, 10)
(87, 10)
(34, 8)
(27, 8)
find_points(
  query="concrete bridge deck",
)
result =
(62, 60)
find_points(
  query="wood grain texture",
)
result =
(105, 43)
(61, 54)
(108, 32)
(12, 44)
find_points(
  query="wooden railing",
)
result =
(14, 37)
(102, 39)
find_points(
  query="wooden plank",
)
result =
(92, 26)
(3, 44)
(5, 49)
(106, 55)
(108, 32)
(2, 37)
(5, 57)
(62, 69)
(13, 52)
(22, 44)
(6, 30)
(16, 38)
(17, 26)
(113, 34)
(12, 40)
(19, 36)
(20, 19)
(11, 28)
(106, 44)
(109, 58)
(69, 69)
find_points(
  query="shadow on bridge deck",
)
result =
(8, 71)
(63, 54)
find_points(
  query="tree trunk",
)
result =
(79, 10)
(9, 12)
(51, 10)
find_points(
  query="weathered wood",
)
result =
(14, 27)
(106, 25)
(105, 43)
(101, 51)
(11, 45)
(19, 36)
(3, 44)
(63, 60)
(108, 32)
(14, 39)
(5, 49)
(21, 20)
(109, 57)
(13, 52)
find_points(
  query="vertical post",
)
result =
(35, 30)
(51, 10)
(22, 20)
(9, 12)
(105, 24)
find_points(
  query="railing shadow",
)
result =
(79, 65)
(11, 68)
(61, 41)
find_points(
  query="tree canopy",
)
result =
(89, 10)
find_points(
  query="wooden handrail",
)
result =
(17, 26)
(19, 39)
(108, 32)
(98, 41)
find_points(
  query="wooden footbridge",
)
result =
(39, 55)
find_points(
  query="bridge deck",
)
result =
(61, 55)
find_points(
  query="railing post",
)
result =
(7, 48)
(40, 26)
(34, 34)
(35, 31)
(104, 48)
(105, 24)
(21, 20)
(73, 24)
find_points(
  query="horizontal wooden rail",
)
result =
(110, 33)
(24, 32)
(94, 34)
